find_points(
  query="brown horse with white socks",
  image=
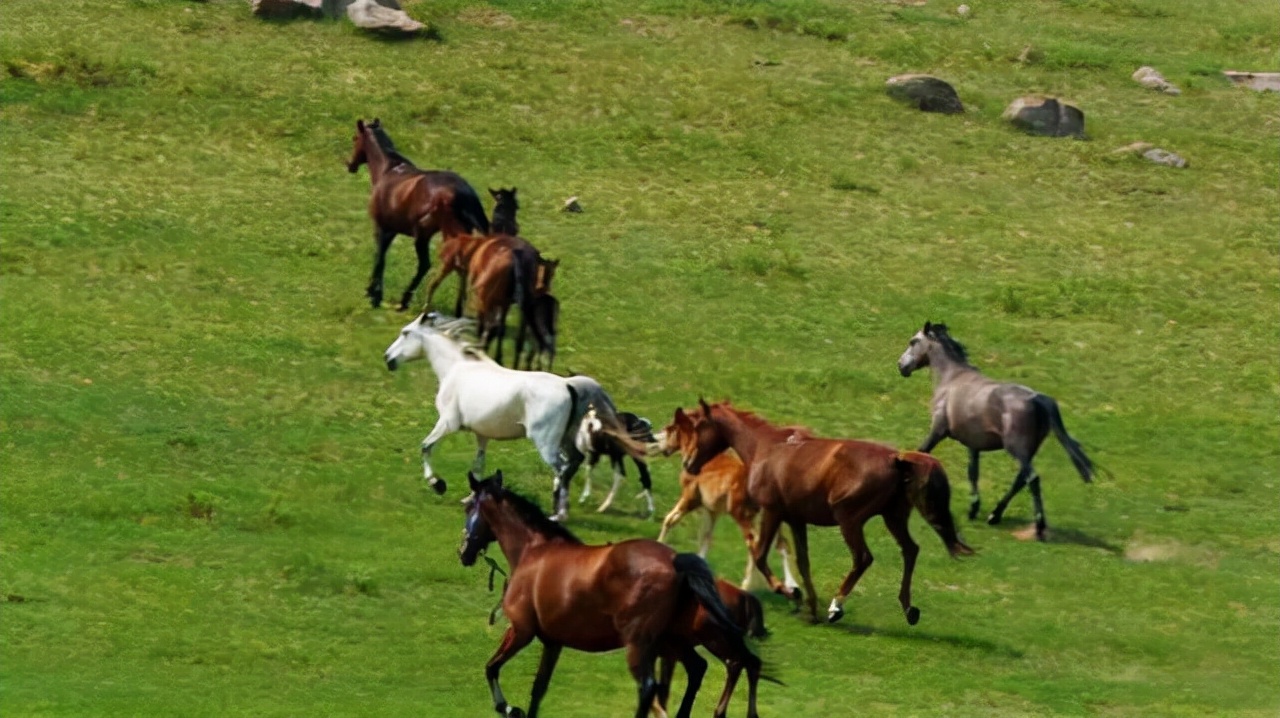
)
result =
(802, 480)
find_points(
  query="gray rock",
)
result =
(1047, 116)
(1148, 77)
(370, 15)
(338, 8)
(285, 9)
(1260, 81)
(925, 92)
(1165, 157)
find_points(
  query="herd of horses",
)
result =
(639, 594)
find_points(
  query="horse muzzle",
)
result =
(393, 363)
(905, 369)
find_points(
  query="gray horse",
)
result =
(987, 415)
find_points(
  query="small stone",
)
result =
(925, 92)
(571, 205)
(962, 10)
(1148, 77)
(1046, 116)
(1165, 157)
(370, 15)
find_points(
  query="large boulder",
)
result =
(286, 9)
(370, 15)
(1047, 116)
(924, 92)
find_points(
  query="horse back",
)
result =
(805, 480)
(597, 598)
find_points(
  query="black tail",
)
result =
(697, 577)
(1082, 462)
(930, 492)
(752, 610)
(468, 209)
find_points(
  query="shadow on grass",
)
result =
(1057, 534)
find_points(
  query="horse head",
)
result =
(476, 533)
(932, 338)
(359, 147)
(709, 439)
(411, 344)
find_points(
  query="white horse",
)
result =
(493, 402)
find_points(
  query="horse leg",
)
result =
(619, 473)
(687, 503)
(666, 670)
(381, 243)
(422, 246)
(640, 660)
(550, 654)
(646, 481)
(898, 523)
(592, 460)
(461, 301)
(748, 536)
(512, 643)
(1018, 482)
(708, 529)
(1033, 485)
(800, 535)
(851, 525)
(477, 466)
(561, 489)
(695, 667)
(769, 525)
(937, 432)
(974, 502)
(500, 331)
(784, 555)
(443, 428)
(733, 669)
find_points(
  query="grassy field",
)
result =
(212, 496)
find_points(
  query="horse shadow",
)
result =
(911, 634)
(1058, 535)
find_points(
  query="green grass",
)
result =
(210, 484)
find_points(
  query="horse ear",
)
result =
(471, 481)
(497, 479)
(360, 125)
(928, 327)
(493, 193)
(705, 408)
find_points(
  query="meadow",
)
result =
(211, 500)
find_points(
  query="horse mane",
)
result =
(753, 419)
(461, 331)
(954, 349)
(387, 146)
(535, 518)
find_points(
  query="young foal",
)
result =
(594, 441)
(720, 488)
(409, 201)
(637, 594)
(456, 250)
(986, 415)
(803, 480)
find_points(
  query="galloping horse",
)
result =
(637, 594)
(800, 480)
(409, 201)
(986, 415)
(594, 442)
(720, 488)
(545, 321)
(493, 402)
(456, 250)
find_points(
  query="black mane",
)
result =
(953, 348)
(387, 146)
(535, 518)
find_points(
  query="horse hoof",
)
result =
(973, 512)
(993, 519)
(913, 616)
(439, 487)
(513, 712)
(836, 615)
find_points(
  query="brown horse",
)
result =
(503, 271)
(636, 594)
(987, 415)
(803, 480)
(456, 249)
(720, 488)
(409, 201)
(544, 320)
(747, 613)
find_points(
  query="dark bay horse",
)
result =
(802, 480)
(409, 201)
(637, 594)
(987, 415)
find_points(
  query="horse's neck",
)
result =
(443, 354)
(379, 162)
(515, 538)
(946, 369)
(744, 438)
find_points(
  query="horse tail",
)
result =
(1082, 462)
(930, 492)
(695, 575)
(468, 209)
(750, 609)
(615, 429)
